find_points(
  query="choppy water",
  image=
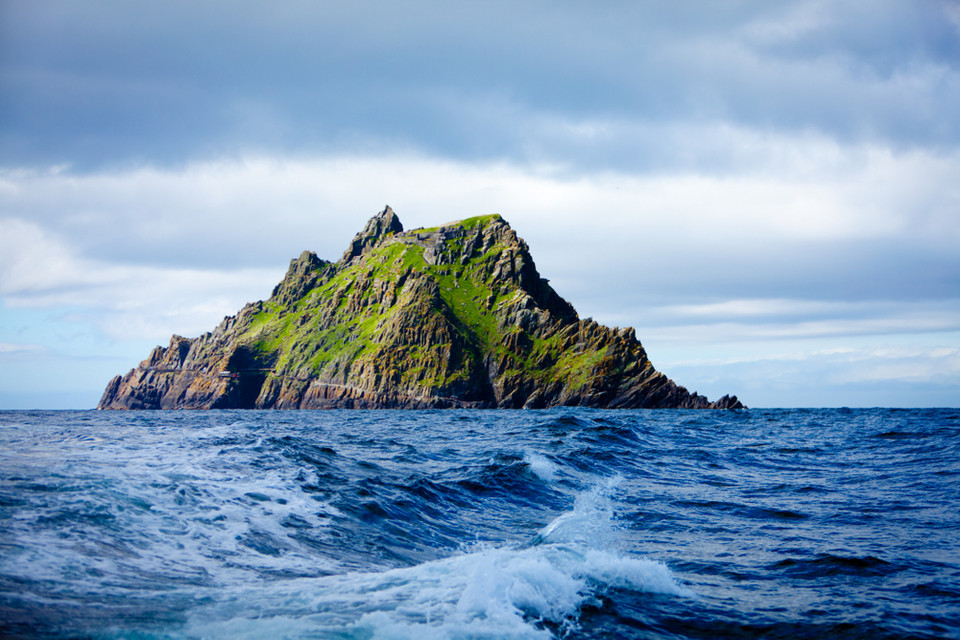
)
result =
(485, 524)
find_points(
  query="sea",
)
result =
(564, 523)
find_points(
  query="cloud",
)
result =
(904, 371)
(937, 360)
(939, 365)
(38, 269)
(819, 192)
(833, 237)
(775, 319)
(31, 260)
(892, 36)
(111, 83)
(8, 347)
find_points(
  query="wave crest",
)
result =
(519, 592)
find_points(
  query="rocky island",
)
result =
(452, 316)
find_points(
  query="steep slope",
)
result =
(453, 316)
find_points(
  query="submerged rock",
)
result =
(455, 316)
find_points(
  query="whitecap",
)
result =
(545, 469)
(511, 592)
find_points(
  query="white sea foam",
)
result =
(589, 524)
(488, 593)
(541, 466)
(182, 511)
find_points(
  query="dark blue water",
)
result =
(486, 524)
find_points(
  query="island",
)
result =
(454, 316)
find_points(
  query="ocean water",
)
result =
(566, 523)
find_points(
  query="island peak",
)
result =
(451, 316)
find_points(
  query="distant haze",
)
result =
(768, 192)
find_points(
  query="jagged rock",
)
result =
(455, 316)
(385, 222)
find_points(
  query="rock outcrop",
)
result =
(454, 316)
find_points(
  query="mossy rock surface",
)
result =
(451, 316)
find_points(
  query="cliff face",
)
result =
(454, 316)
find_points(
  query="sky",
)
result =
(768, 192)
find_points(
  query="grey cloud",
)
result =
(100, 84)
(838, 272)
(880, 38)
(848, 229)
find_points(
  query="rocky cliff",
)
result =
(453, 316)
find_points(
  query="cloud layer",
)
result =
(112, 82)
